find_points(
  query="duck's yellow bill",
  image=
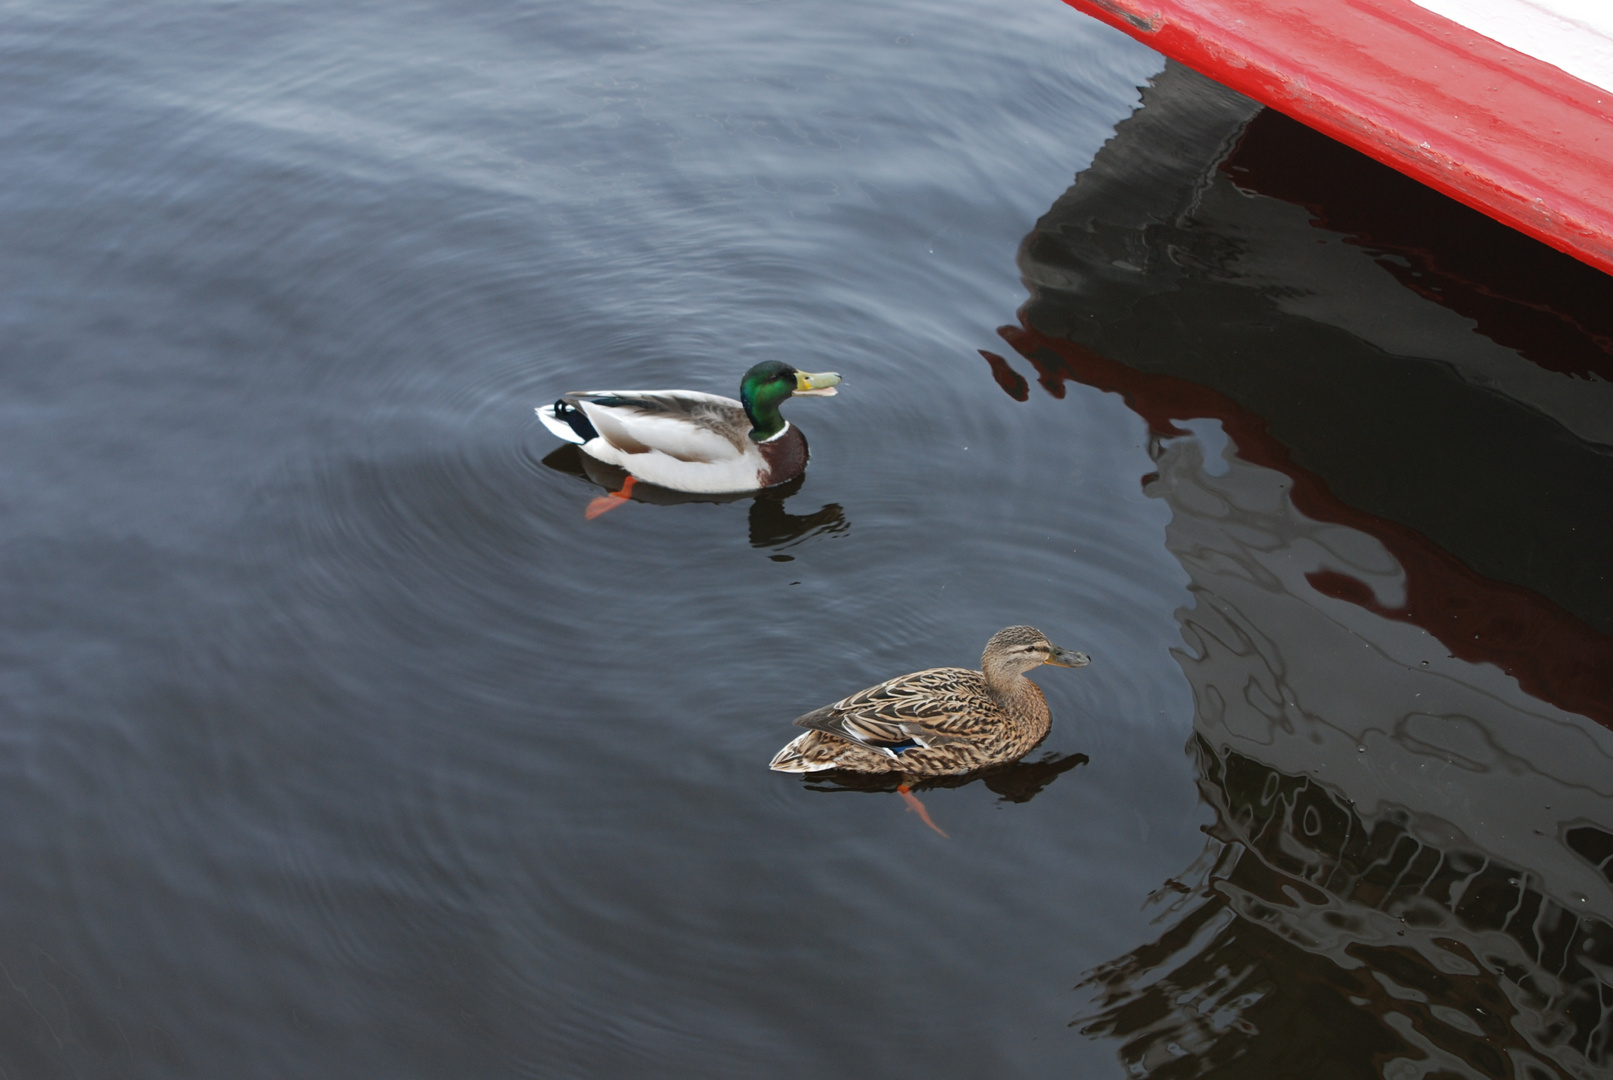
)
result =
(816, 383)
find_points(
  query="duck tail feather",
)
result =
(792, 760)
(567, 421)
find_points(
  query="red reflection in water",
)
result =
(1548, 307)
(1012, 382)
(1553, 655)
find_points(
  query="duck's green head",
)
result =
(769, 384)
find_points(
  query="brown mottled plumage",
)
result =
(939, 721)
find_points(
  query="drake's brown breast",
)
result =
(786, 458)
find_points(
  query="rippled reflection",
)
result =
(1409, 870)
(1392, 886)
(1401, 701)
(771, 525)
(1321, 941)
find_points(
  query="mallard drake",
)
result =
(689, 441)
(936, 722)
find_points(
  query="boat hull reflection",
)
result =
(1392, 512)
(1409, 870)
(1324, 942)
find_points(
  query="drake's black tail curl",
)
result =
(576, 419)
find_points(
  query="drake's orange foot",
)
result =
(611, 501)
(917, 807)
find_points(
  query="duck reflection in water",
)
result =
(771, 525)
(1016, 782)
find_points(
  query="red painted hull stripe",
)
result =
(1507, 134)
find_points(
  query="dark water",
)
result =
(337, 742)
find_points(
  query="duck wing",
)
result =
(683, 424)
(925, 709)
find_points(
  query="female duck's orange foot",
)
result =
(610, 502)
(917, 807)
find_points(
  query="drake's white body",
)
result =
(693, 442)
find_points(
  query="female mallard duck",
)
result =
(936, 722)
(689, 441)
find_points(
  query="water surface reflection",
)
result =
(1401, 700)
(1321, 941)
(1016, 782)
(1397, 882)
(770, 524)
